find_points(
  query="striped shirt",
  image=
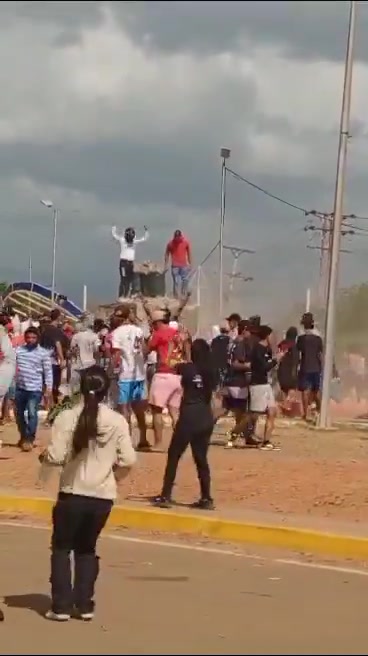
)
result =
(34, 369)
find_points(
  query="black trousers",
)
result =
(194, 430)
(56, 381)
(126, 270)
(77, 523)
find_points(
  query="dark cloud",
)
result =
(173, 177)
(67, 14)
(306, 30)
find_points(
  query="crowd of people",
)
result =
(92, 376)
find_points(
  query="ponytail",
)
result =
(94, 387)
(86, 428)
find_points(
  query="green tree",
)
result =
(3, 287)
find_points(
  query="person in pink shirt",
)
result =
(179, 250)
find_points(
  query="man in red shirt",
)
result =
(180, 252)
(165, 390)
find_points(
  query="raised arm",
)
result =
(144, 238)
(115, 234)
(146, 308)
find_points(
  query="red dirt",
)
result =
(320, 474)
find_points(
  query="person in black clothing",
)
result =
(262, 400)
(287, 373)
(194, 426)
(237, 385)
(310, 348)
(54, 340)
(219, 351)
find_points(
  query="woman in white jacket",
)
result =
(92, 444)
(7, 360)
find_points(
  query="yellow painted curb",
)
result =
(267, 535)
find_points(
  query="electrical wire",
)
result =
(304, 211)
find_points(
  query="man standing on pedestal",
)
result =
(179, 250)
(127, 257)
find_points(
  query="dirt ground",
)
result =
(316, 474)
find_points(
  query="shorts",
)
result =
(236, 398)
(262, 398)
(311, 382)
(131, 391)
(166, 391)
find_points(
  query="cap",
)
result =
(234, 317)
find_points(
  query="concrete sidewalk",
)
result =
(153, 599)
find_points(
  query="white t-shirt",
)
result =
(129, 340)
(127, 250)
(86, 344)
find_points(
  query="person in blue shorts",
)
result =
(310, 348)
(127, 347)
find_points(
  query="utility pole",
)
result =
(225, 154)
(324, 420)
(324, 259)
(236, 253)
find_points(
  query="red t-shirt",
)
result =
(179, 250)
(159, 342)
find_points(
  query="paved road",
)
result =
(163, 600)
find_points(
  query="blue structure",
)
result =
(27, 297)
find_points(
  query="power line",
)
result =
(299, 208)
(347, 228)
(269, 193)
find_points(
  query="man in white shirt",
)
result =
(127, 257)
(84, 346)
(127, 346)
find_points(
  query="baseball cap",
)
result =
(234, 317)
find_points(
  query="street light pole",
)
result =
(50, 205)
(324, 421)
(225, 154)
(55, 213)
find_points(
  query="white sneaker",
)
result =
(85, 617)
(57, 617)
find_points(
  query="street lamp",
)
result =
(50, 205)
(224, 154)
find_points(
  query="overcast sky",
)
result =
(117, 111)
